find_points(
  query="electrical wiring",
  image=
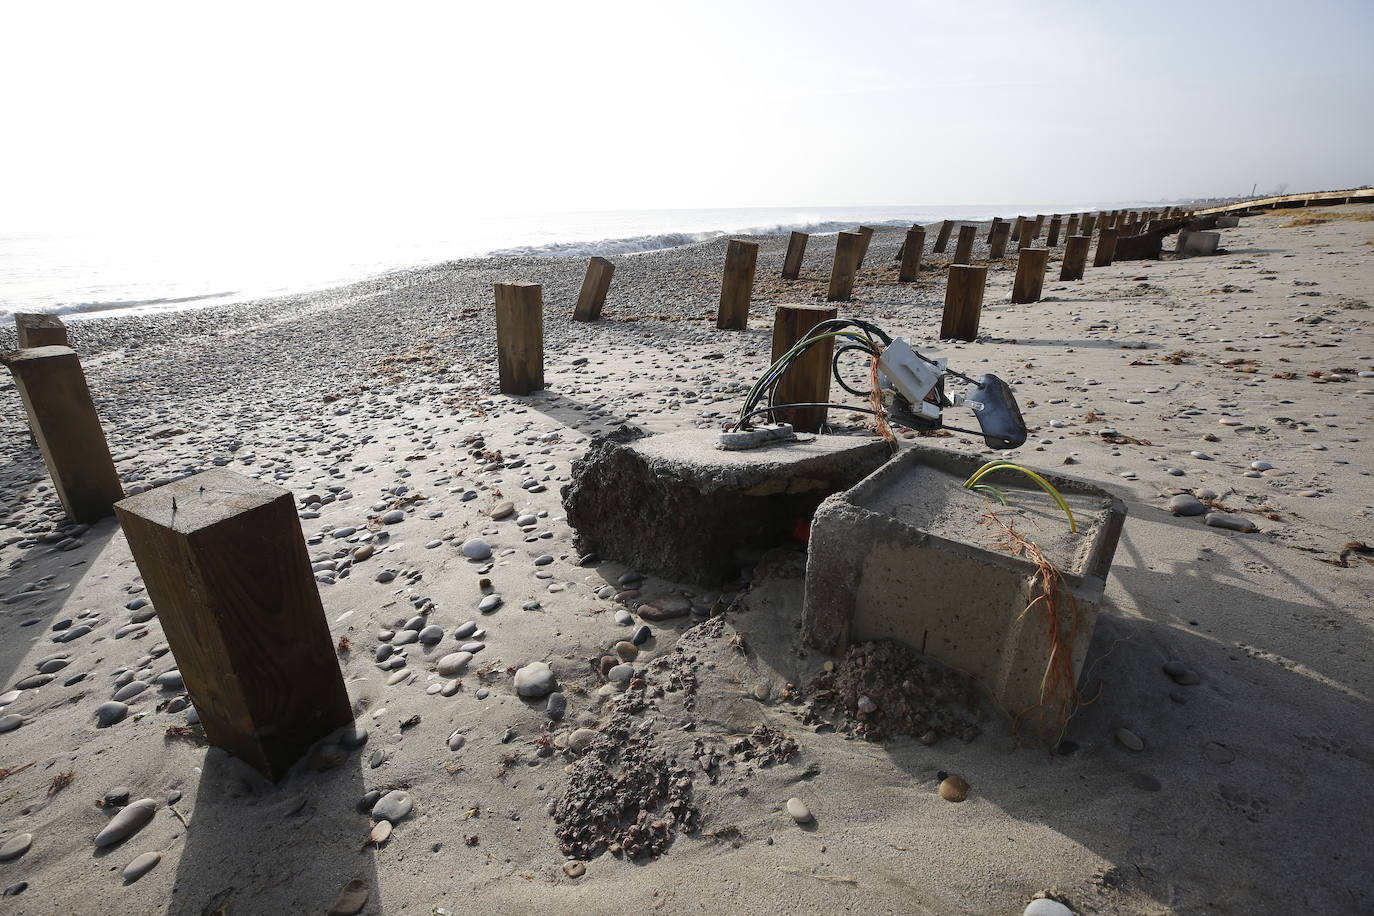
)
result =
(830, 329)
(772, 407)
(1044, 484)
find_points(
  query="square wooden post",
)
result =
(737, 285)
(963, 252)
(1017, 228)
(520, 337)
(963, 302)
(1075, 257)
(1039, 226)
(796, 251)
(1028, 234)
(992, 228)
(1071, 227)
(911, 254)
(225, 563)
(997, 240)
(842, 270)
(942, 237)
(867, 234)
(1087, 225)
(1052, 240)
(1106, 247)
(36, 330)
(807, 380)
(595, 285)
(1030, 275)
(62, 416)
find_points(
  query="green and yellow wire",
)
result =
(973, 484)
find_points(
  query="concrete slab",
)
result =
(1198, 243)
(910, 555)
(678, 506)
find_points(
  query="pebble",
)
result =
(620, 674)
(353, 738)
(431, 634)
(476, 549)
(110, 713)
(798, 811)
(393, 806)
(1046, 907)
(15, 846)
(351, 899)
(558, 706)
(140, 866)
(127, 822)
(626, 651)
(1129, 739)
(489, 603)
(953, 789)
(1181, 673)
(574, 869)
(580, 740)
(117, 797)
(8, 698)
(624, 617)
(465, 630)
(503, 510)
(1229, 521)
(130, 690)
(453, 664)
(1218, 753)
(456, 741)
(33, 681)
(642, 635)
(10, 722)
(534, 680)
(665, 608)
(392, 517)
(1185, 504)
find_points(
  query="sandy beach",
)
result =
(1224, 765)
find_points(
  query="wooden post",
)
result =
(1075, 257)
(807, 380)
(1030, 275)
(595, 285)
(737, 285)
(1016, 228)
(997, 241)
(842, 271)
(1071, 228)
(1052, 241)
(796, 250)
(867, 234)
(963, 302)
(520, 337)
(992, 229)
(224, 561)
(963, 251)
(65, 425)
(942, 238)
(1028, 234)
(911, 254)
(1039, 225)
(1106, 248)
(1087, 225)
(40, 330)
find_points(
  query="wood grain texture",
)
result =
(963, 251)
(595, 285)
(40, 330)
(808, 379)
(796, 251)
(842, 269)
(52, 387)
(737, 285)
(1075, 257)
(1106, 248)
(225, 563)
(1030, 275)
(997, 240)
(963, 302)
(520, 337)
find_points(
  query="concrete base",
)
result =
(1193, 244)
(679, 507)
(874, 571)
(1228, 222)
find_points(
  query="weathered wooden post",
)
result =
(224, 562)
(1030, 275)
(595, 285)
(520, 337)
(1016, 228)
(62, 416)
(867, 234)
(737, 285)
(992, 229)
(1106, 248)
(942, 237)
(807, 380)
(1087, 225)
(37, 330)
(963, 251)
(1075, 257)
(963, 302)
(911, 254)
(1039, 225)
(796, 250)
(997, 240)
(1071, 228)
(1052, 241)
(842, 271)
(1028, 234)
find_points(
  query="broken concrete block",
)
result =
(1198, 243)
(678, 506)
(1228, 222)
(910, 555)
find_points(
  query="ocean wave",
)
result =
(662, 241)
(79, 308)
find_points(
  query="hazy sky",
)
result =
(148, 112)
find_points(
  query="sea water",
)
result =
(177, 266)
